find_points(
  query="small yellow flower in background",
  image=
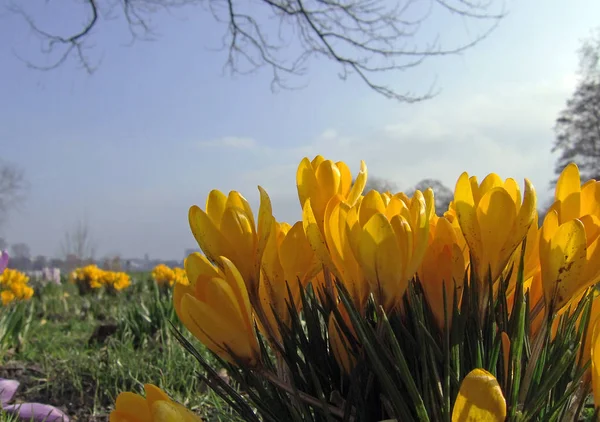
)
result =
(88, 276)
(14, 286)
(389, 243)
(155, 407)
(444, 264)
(227, 228)
(7, 296)
(288, 262)
(570, 239)
(180, 276)
(494, 221)
(480, 399)
(216, 309)
(119, 280)
(164, 275)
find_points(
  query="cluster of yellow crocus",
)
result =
(163, 275)
(92, 277)
(376, 243)
(14, 286)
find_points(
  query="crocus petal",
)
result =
(590, 198)
(564, 264)
(36, 412)
(215, 206)
(154, 394)
(265, 215)
(345, 179)
(359, 185)
(313, 234)
(131, 406)
(479, 399)
(464, 203)
(568, 191)
(378, 253)
(8, 389)
(210, 239)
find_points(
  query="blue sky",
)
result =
(159, 124)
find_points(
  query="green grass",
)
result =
(57, 362)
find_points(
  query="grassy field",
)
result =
(80, 350)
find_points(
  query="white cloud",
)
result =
(235, 142)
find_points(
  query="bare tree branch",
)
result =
(364, 37)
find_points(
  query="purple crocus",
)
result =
(8, 388)
(3, 261)
(36, 412)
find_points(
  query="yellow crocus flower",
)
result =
(389, 250)
(480, 399)
(216, 309)
(493, 220)
(227, 228)
(443, 267)
(570, 239)
(288, 262)
(319, 180)
(343, 258)
(155, 407)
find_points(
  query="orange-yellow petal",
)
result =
(479, 399)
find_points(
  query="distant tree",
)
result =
(577, 128)
(13, 187)
(442, 194)
(40, 262)
(78, 243)
(20, 257)
(20, 250)
(363, 37)
(57, 263)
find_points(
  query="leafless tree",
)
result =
(79, 242)
(577, 128)
(20, 251)
(364, 37)
(13, 188)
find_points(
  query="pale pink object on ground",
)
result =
(8, 388)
